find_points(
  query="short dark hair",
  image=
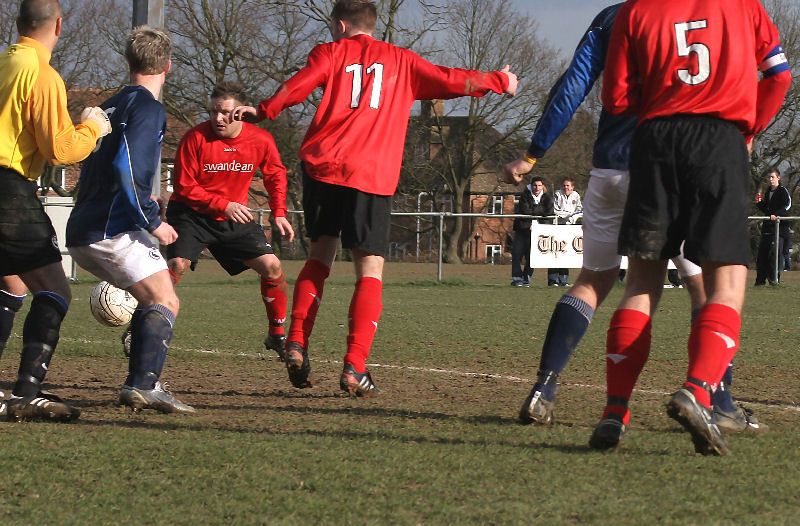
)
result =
(229, 89)
(772, 170)
(537, 179)
(361, 14)
(33, 14)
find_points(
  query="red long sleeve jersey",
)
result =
(357, 135)
(696, 57)
(210, 172)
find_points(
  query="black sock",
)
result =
(39, 340)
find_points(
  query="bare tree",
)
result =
(779, 144)
(476, 134)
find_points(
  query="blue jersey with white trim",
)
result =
(612, 145)
(117, 178)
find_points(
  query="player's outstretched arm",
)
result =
(165, 234)
(284, 227)
(514, 171)
(244, 113)
(511, 90)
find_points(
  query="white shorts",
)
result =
(603, 206)
(122, 260)
(686, 268)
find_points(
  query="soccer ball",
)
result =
(111, 306)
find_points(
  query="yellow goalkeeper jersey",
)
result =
(35, 126)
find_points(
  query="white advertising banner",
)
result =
(556, 246)
(560, 246)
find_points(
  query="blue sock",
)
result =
(722, 396)
(151, 333)
(568, 324)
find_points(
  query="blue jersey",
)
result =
(117, 178)
(612, 146)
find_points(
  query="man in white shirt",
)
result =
(569, 209)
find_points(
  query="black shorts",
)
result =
(361, 219)
(230, 243)
(27, 238)
(689, 181)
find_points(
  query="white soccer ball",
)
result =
(111, 306)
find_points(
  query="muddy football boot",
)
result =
(157, 398)
(43, 406)
(298, 366)
(699, 421)
(608, 433)
(358, 384)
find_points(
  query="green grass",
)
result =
(441, 446)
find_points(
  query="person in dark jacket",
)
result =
(533, 200)
(775, 203)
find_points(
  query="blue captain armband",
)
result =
(774, 63)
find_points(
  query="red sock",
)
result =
(627, 349)
(306, 299)
(712, 344)
(365, 311)
(273, 293)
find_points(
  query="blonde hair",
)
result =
(148, 50)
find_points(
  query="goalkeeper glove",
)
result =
(97, 115)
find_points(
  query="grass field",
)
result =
(441, 446)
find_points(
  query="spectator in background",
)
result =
(569, 209)
(533, 200)
(775, 203)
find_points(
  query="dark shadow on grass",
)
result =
(182, 423)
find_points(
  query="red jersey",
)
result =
(210, 172)
(357, 135)
(695, 57)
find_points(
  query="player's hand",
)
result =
(162, 205)
(238, 212)
(284, 227)
(165, 233)
(515, 170)
(244, 113)
(511, 90)
(96, 114)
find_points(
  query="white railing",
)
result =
(261, 212)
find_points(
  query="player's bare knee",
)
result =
(178, 266)
(172, 303)
(268, 266)
(274, 270)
